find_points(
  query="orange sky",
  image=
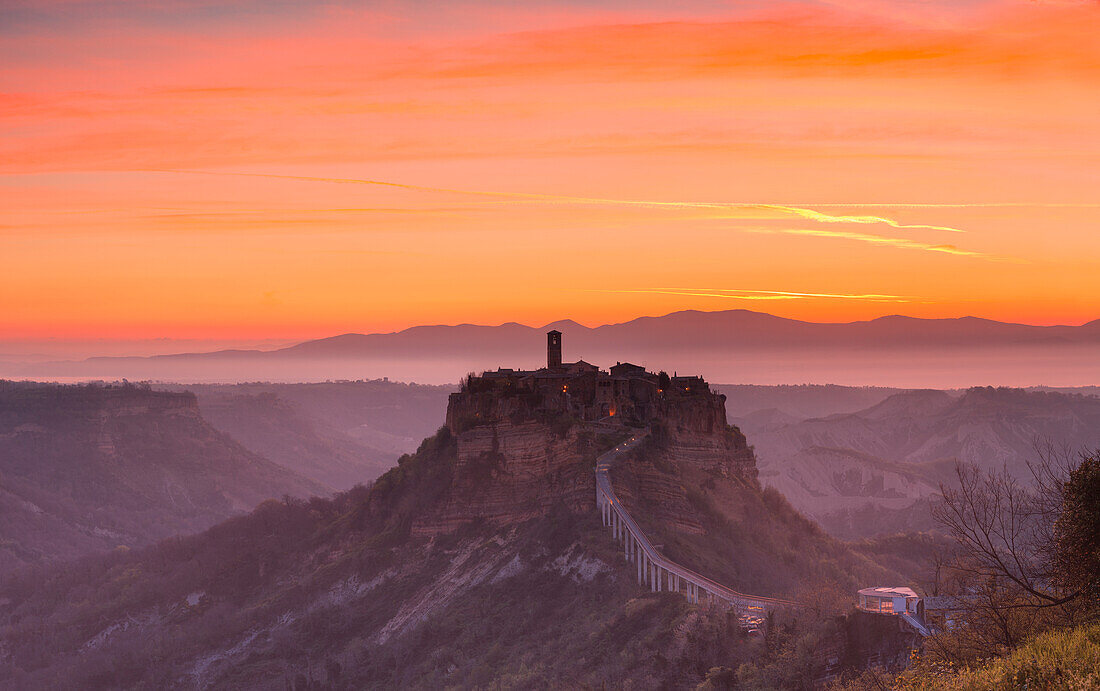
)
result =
(191, 170)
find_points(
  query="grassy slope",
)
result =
(1054, 660)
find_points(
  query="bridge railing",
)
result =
(654, 569)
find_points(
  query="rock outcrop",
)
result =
(508, 473)
(524, 448)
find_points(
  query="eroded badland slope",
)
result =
(480, 560)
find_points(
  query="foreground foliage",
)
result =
(1067, 660)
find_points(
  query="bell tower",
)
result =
(553, 349)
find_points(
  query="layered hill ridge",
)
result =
(86, 469)
(338, 433)
(869, 465)
(479, 560)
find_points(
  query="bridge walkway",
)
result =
(653, 568)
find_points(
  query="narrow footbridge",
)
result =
(655, 570)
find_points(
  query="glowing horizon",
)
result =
(295, 171)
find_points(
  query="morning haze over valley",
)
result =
(551, 345)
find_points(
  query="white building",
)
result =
(885, 600)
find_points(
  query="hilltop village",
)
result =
(625, 394)
(525, 439)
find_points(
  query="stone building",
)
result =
(625, 393)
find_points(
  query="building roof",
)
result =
(887, 591)
(581, 364)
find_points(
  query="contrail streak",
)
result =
(552, 198)
(953, 205)
(882, 240)
(829, 218)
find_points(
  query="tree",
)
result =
(718, 678)
(1077, 532)
(1020, 546)
(663, 380)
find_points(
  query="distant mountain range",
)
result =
(733, 345)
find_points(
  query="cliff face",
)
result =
(508, 473)
(469, 409)
(91, 468)
(725, 451)
(692, 430)
(522, 454)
